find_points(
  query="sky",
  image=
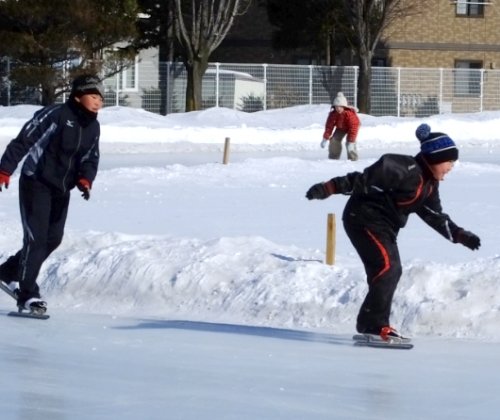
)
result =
(186, 288)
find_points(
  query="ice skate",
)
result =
(385, 337)
(35, 306)
(385, 334)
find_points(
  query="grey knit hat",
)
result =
(87, 84)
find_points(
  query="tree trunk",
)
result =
(48, 95)
(195, 71)
(364, 84)
(167, 56)
(328, 50)
(200, 27)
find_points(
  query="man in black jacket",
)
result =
(61, 146)
(381, 199)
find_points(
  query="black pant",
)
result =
(380, 256)
(43, 215)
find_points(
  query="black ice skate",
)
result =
(388, 337)
(34, 305)
(32, 308)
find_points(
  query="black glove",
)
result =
(84, 186)
(320, 191)
(467, 239)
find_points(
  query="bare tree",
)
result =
(368, 20)
(201, 26)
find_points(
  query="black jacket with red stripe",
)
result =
(385, 193)
(61, 145)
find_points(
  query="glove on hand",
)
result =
(320, 191)
(84, 186)
(4, 179)
(323, 143)
(467, 239)
(352, 153)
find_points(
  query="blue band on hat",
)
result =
(436, 144)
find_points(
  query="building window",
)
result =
(473, 8)
(379, 62)
(129, 77)
(467, 80)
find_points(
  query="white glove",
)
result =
(352, 153)
(323, 143)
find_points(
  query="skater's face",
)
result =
(339, 109)
(91, 101)
(439, 170)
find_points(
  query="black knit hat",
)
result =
(87, 84)
(436, 147)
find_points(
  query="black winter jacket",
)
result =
(384, 195)
(61, 145)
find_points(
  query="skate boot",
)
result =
(392, 335)
(384, 334)
(382, 337)
(33, 305)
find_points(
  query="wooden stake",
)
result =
(330, 239)
(225, 160)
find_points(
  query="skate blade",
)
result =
(30, 314)
(363, 340)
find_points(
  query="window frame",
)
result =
(465, 84)
(124, 79)
(470, 8)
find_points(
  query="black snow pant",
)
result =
(380, 256)
(43, 215)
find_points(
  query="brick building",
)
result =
(444, 33)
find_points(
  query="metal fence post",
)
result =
(481, 87)
(310, 84)
(441, 86)
(355, 86)
(398, 112)
(168, 89)
(217, 65)
(264, 105)
(117, 95)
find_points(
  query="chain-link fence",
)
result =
(420, 92)
(416, 92)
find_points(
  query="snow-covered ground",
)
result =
(189, 289)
